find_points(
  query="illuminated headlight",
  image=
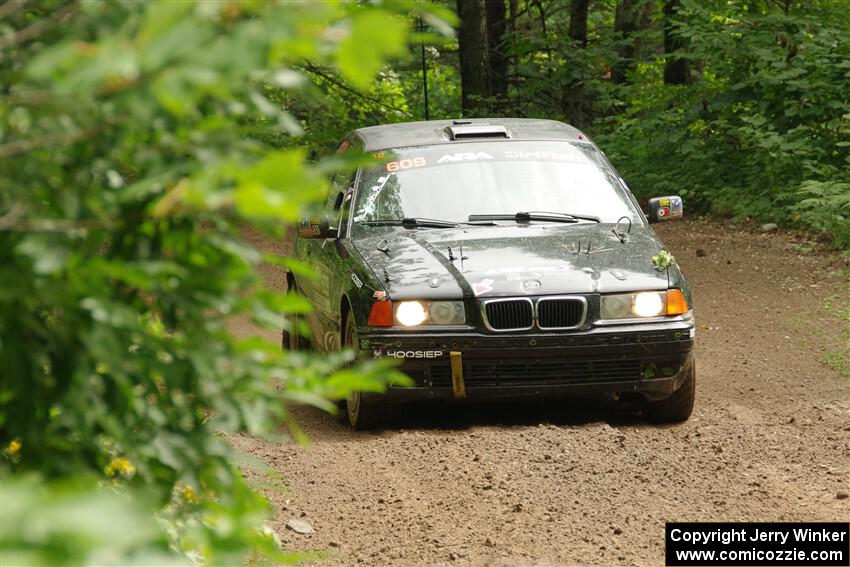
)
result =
(410, 313)
(416, 313)
(631, 305)
(649, 304)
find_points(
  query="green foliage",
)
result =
(663, 260)
(327, 106)
(358, 58)
(825, 205)
(140, 142)
(763, 133)
(838, 307)
(763, 130)
(73, 523)
(443, 84)
(139, 139)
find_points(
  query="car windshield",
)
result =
(452, 182)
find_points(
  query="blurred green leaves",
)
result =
(142, 158)
(75, 523)
(373, 36)
(278, 186)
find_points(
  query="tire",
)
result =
(679, 406)
(363, 412)
(293, 341)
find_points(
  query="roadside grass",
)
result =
(835, 308)
(272, 481)
(839, 360)
(838, 307)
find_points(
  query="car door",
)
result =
(324, 257)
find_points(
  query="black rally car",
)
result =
(497, 258)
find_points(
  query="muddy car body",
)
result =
(498, 258)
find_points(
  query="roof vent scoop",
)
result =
(466, 132)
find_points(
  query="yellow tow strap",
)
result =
(458, 387)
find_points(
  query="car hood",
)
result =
(494, 261)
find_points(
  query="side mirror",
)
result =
(665, 208)
(317, 227)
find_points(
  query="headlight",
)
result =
(649, 304)
(410, 313)
(616, 306)
(415, 313)
(635, 305)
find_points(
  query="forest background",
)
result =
(138, 140)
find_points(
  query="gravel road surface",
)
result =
(592, 483)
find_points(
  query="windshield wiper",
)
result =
(412, 222)
(535, 216)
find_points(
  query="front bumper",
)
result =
(651, 360)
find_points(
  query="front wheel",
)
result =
(677, 407)
(364, 412)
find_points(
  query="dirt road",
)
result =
(541, 485)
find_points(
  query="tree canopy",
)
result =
(741, 106)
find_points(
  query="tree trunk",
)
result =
(677, 71)
(578, 22)
(513, 10)
(631, 16)
(573, 97)
(496, 37)
(474, 60)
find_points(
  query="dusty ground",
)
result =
(563, 485)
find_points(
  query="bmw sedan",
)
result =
(500, 258)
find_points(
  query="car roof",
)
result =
(430, 132)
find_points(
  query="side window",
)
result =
(343, 204)
(338, 187)
(342, 189)
(339, 183)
